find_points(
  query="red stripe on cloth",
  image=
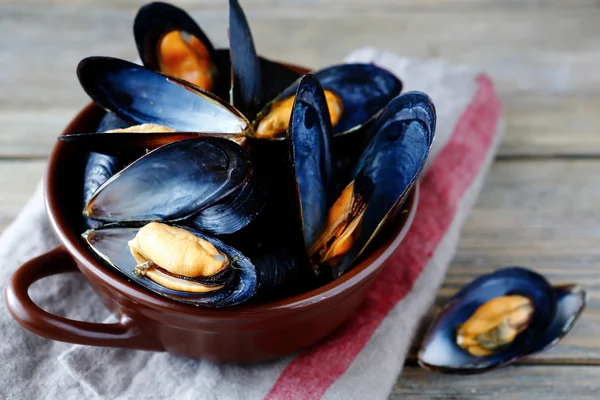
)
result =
(310, 374)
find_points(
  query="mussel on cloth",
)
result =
(498, 319)
(190, 200)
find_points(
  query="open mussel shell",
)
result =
(555, 310)
(364, 89)
(390, 165)
(170, 41)
(311, 156)
(139, 95)
(172, 182)
(239, 281)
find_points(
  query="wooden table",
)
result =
(539, 207)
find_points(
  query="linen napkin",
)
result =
(361, 360)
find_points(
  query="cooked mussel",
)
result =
(172, 183)
(355, 93)
(383, 178)
(169, 41)
(498, 319)
(177, 262)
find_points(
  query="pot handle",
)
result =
(124, 333)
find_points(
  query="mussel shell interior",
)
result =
(110, 244)
(570, 302)
(363, 88)
(139, 95)
(439, 350)
(153, 21)
(173, 182)
(393, 160)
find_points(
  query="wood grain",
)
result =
(543, 58)
(540, 212)
(511, 383)
(525, 51)
(551, 125)
(429, 5)
(542, 215)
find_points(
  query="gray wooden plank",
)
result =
(543, 62)
(426, 5)
(551, 125)
(31, 133)
(511, 383)
(526, 51)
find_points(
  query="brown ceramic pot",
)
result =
(241, 334)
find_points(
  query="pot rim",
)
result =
(341, 287)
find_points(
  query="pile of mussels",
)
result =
(217, 176)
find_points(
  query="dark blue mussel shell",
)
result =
(555, 310)
(392, 162)
(247, 85)
(173, 182)
(254, 79)
(311, 156)
(363, 88)
(234, 212)
(138, 95)
(240, 279)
